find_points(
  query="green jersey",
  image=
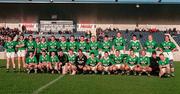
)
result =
(118, 59)
(31, 60)
(53, 46)
(93, 47)
(54, 59)
(144, 61)
(10, 46)
(106, 46)
(83, 46)
(38, 47)
(92, 61)
(165, 62)
(21, 42)
(119, 43)
(43, 46)
(64, 46)
(71, 58)
(150, 46)
(106, 61)
(167, 46)
(31, 45)
(135, 46)
(44, 58)
(72, 45)
(131, 61)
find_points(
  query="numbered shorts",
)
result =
(10, 54)
(168, 55)
(21, 53)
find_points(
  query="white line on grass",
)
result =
(47, 85)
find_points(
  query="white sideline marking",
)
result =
(47, 85)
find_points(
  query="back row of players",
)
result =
(75, 57)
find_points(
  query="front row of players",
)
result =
(109, 63)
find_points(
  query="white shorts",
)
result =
(148, 54)
(122, 52)
(137, 54)
(168, 55)
(93, 68)
(131, 67)
(10, 54)
(119, 65)
(21, 53)
(106, 68)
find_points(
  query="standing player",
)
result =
(150, 46)
(10, 53)
(83, 45)
(72, 44)
(64, 45)
(43, 60)
(31, 45)
(119, 43)
(80, 62)
(105, 64)
(135, 45)
(38, 49)
(168, 47)
(92, 63)
(131, 63)
(54, 63)
(71, 62)
(106, 46)
(21, 51)
(164, 66)
(143, 64)
(53, 45)
(43, 44)
(31, 63)
(94, 46)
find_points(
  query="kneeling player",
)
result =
(131, 63)
(31, 63)
(92, 63)
(119, 63)
(105, 64)
(71, 62)
(164, 66)
(143, 64)
(43, 61)
(63, 64)
(54, 61)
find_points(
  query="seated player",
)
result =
(131, 63)
(105, 64)
(143, 64)
(92, 63)
(43, 60)
(63, 62)
(54, 63)
(119, 62)
(164, 66)
(80, 62)
(31, 63)
(71, 62)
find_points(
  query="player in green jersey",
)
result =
(119, 43)
(135, 45)
(168, 47)
(64, 44)
(54, 63)
(106, 46)
(43, 44)
(105, 64)
(119, 61)
(71, 62)
(53, 45)
(21, 46)
(83, 45)
(131, 63)
(92, 63)
(31, 45)
(72, 44)
(150, 46)
(43, 60)
(94, 46)
(143, 64)
(31, 63)
(164, 66)
(10, 52)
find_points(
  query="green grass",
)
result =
(22, 83)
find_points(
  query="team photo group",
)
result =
(88, 56)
